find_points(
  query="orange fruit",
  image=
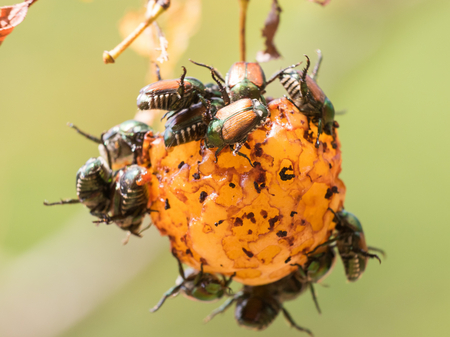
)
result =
(255, 221)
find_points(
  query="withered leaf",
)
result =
(269, 31)
(11, 16)
(321, 2)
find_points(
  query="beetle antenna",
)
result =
(87, 135)
(158, 71)
(62, 202)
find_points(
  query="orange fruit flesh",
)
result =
(255, 221)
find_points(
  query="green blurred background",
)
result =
(385, 62)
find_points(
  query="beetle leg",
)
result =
(301, 270)
(170, 114)
(144, 229)
(171, 292)
(237, 147)
(108, 155)
(326, 243)
(278, 73)
(216, 72)
(367, 254)
(87, 135)
(217, 152)
(228, 282)
(303, 85)
(319, 132)
(62, 202)
(220, 309)
(180, 266)
(135, 156)
(225, 97)
(127, 238)
(315, 74)
(206, 116)
(246, 157)
(181, 86)
(313, 293)
(104, 218)
(293, 324)
(290, 100)
(206, 103)
(381, 251)
(199, 276)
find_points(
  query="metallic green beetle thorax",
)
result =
(214, 133)
(245, 89)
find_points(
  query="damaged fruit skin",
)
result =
(255, 221)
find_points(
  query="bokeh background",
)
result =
(385, 62)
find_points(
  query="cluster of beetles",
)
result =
(220, 114)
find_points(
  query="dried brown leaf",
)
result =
(321, 2)
(269, 31)
(11, 16)
(163, 44)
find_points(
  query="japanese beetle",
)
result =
(130, 201)
(258, 306)
(196, 285)
(172, 94)
(233, 123)
(351, 244)
(316, 269)
(93, 183)
(308, 97)
(243, 80)
(188, 125)
(120, 144)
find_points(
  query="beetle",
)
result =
(130, 201)
(122, 143)
(308, 97)
(246, 80)
(243, 80)
(188, 125)
(174, 94)
(316, 269)
(351, 244)
(233, 123)
(197, 285)
(93, 183)
(258, 306)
